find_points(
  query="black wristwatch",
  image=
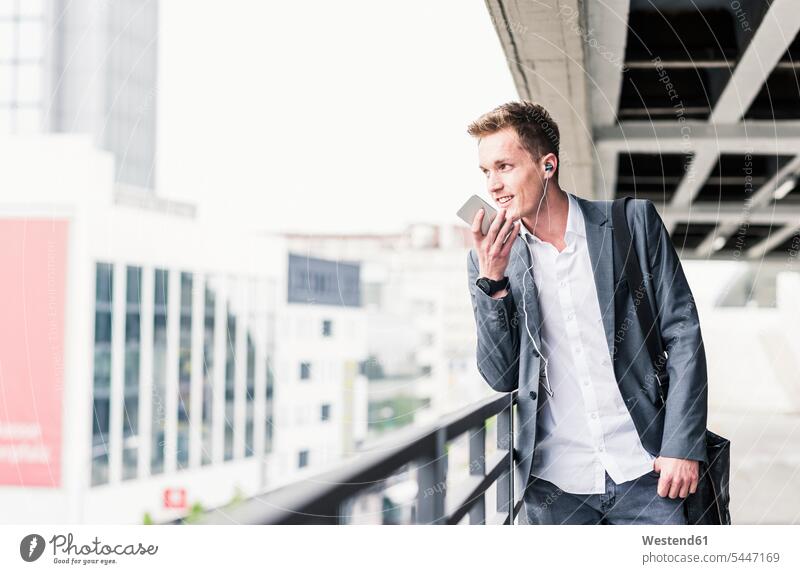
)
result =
(490, 286)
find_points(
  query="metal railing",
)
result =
(441, 499)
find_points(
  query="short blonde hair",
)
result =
(537, 130)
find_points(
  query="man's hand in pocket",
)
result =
(677, 476)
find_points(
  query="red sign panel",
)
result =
(33, 266)
(174, 498)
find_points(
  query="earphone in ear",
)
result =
(548, 167)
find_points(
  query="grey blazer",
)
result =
(508, 361)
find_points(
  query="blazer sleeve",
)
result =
(496, 320)
(686, 406)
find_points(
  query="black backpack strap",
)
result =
(624, 250)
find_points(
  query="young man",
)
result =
(595, 445)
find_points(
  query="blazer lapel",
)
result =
(600, 242)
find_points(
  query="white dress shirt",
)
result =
(584, 429)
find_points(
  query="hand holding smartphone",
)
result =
(470, 209)
(495, 231)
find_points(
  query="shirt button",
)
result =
(594, 415)
(577, 350)
(585, 382)
(533, 394)
(601, 448)
(563, 283)
(570, 317)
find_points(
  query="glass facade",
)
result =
(159, 392)
(323, 282)
(101, 388)
(255, 347)
(84, 67)
(130, 413)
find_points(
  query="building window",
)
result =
(23, 29)
(250, 379)
(269, 434)
(302, 459)
(101, 390)
(270, 380)
(159, 416)
(327, 328)
(270, 406)
(184, 370)
(130, 424)
(325, 412)
(208, 372)
(230, 381)
(305, 371)
(104, 284)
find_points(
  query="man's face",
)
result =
(513, 179)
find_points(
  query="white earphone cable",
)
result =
(547, 387)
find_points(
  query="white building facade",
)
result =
(150, 364)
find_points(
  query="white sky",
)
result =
(325, 116)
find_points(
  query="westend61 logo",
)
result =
(33, 545)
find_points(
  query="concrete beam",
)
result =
(712, 212)
(607, 33)
(759, 199)
(763, 247)
(763, 137)
(777, 30)
(706, 247)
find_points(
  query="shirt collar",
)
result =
(575, 222)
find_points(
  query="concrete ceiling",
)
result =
(694, 104)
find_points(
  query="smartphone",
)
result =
(471, 207)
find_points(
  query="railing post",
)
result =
(432, 482)
(505, 441)
(477, 466)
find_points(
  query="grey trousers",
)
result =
(633, 502)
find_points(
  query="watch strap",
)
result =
(494, 285)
